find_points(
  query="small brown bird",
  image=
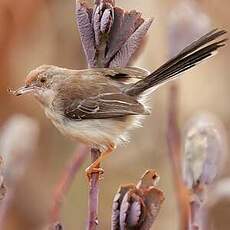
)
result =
(98, 106)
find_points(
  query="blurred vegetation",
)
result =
(45, 32)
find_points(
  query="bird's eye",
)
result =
(154, 177)
(42, 79)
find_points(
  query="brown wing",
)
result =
(107, 105)
(97, 94)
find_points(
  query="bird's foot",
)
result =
(90, 171)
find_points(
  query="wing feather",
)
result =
(103, 106)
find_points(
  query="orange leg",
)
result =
(93, 168)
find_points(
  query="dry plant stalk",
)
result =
(174, 148)
(204, 148)
(110, 37)
(186, 23)
(93, 195)
(65, 183)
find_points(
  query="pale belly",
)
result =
(97, 132)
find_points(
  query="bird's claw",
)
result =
(90, 171)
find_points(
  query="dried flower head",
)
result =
(110, 35)
(136, 207)
(204, 148)
(18, 141)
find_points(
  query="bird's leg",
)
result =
(93, 168)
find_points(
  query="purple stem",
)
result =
(195, 209)
(174, 150)
(65, 183)
(110, 36)
(93, 195)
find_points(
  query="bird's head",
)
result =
(41, 82)
(37, 81)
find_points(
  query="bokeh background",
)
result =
(45, 32)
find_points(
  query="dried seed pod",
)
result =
(110, 35)
(97, 2)
(136, 207)
(127, 26)
(204, 150)
(117, 204)
(125, 53)
(103, 17)
(106, 21)
(84, 22)
(132, 210)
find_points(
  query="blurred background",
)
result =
(45, 32)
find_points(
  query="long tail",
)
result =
(193, 54)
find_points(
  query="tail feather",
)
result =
(185, 60)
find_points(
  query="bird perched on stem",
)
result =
(98, 106)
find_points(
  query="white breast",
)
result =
(101, 132)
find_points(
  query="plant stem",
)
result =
(66, 181)
(195, 215)
(174, 149)
(93, 195)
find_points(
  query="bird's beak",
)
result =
(22, 90)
